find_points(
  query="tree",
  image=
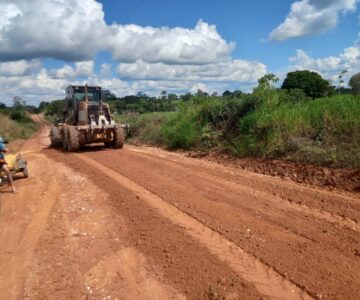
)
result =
(267, 81)
(311, 83)
(172, 97)
(186, 97)
(265, 89)
(237, 94)
(163, 95)
(2, 105)
(355, 83)
(201, 93)
(341, 81)
(18, 102)
(227, 93)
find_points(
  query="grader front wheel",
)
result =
(72, 139)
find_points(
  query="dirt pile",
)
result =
(338, 179)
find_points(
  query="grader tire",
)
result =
(119, 138)
(107, 144)
(72, 139)
(55, 137)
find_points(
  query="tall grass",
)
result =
(13, 130)
(323, 131)
(146, 128)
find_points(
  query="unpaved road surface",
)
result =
(143, 223)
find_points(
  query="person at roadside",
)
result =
(3, 164)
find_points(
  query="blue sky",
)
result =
(178, 46)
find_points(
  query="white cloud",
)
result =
(9, 12)
(153, 59)
(66, 29)
(81, 69)
(106, 70)
(200, 45)
(309, 17)
(240, 71)
(43, 85)
(75, 30)
(200, 86)
(19, 68)
(329, 67)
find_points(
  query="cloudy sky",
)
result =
(172, 45)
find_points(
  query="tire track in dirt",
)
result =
(181, 261)
(21, 222)
(266, 280)
(343, 206)
(316, 254)
(282, 201)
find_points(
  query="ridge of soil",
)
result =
(329, 178)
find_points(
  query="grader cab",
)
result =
(86, 119)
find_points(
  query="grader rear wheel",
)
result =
(55, 137)
(119, 138)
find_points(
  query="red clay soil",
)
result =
(181, 261)
(316, 249)
(329, 178)
(144, 223)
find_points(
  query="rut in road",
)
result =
(286, 199)
(318, 255)
(283, 202)
(265, 279)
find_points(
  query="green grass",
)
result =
(145, 128)
(13, 130)
(324, 131)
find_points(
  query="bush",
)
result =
(326, 132)
(145, 128)
(311, 83)
(20, 115)
(183, 130)
(277, 124)
(12, 130)
(355, 83)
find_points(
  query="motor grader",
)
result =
(86, 119)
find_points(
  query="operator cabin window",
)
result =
(94, 96)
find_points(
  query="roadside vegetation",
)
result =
(301, 122)
(305, 120)
(15, 121)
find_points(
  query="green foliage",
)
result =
(267, 81)
(311, 83)
(145, 128)
(11, 129)
(20, 115)
(182, 130)
(354, 83)
(272, 123)
(144, 104)
(290, 126)
(326, 131)
(54, 108)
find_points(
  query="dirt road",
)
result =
(143, 223)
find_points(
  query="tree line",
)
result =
(297, 86)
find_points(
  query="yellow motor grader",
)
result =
(86, 119)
